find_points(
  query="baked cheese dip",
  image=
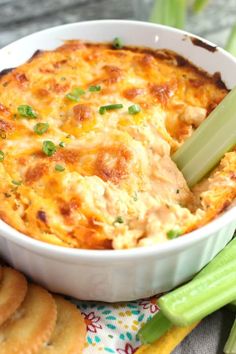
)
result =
(86, 137)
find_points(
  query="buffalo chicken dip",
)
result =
(86, 136)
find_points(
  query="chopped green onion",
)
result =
(78, 91)
(208, 144)
(59, 168)
(110, 107)
(174, 233)
(231, 43)
(154, 328)
(135, 197)
(134, 109)
(117, 43)
(62, 144)
(2, 155)
(17, 183)
(118, 220)
(26, 111)
(49, 147)
(41, 128)
(199, 5)
(75, 94)
(95, 88)
(230, 345)
(169, 12)
(102, 110)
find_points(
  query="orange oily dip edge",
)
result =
(109, 182)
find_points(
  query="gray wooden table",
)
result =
(21, 17)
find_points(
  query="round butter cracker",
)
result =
(13, 287)
(69, 334)
(31, 325)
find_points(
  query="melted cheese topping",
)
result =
(116, 186)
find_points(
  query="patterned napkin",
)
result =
(112, 328)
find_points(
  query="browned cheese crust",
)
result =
(116, 186)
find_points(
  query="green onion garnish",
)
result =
(230, 345)
(2, 155)
(231, 43)
(135, 197)
(110, 107)
(49, 147)
(118, 220)
(17, 183)
(134, 109)
(41, 128)
(174, 233)
(208, 144)
(59, 168)
(102, 110)
(117, 43)
(75, 94)
(94, 88)
(62, 144)
(26, 111)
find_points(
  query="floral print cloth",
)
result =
(112, 328)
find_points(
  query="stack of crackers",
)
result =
(34, 321)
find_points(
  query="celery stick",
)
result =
(154, 328)
(203, 295)
(213, 138)
(224, 256)
(169, 12)
(180, 13)
(230, 345)
(159, 12)
(199, 5)
(231, 43)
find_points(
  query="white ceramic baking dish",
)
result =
(127, 274)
